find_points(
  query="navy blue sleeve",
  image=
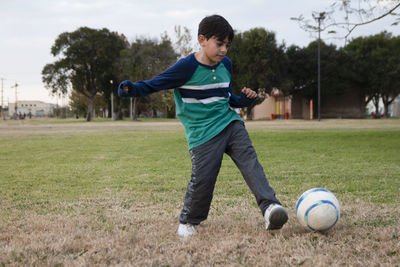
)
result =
(240, 102)
(234, 100)
(175, 76)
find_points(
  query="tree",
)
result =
(143, 60)
(342, 17)
(258, 62)
(390, 69)
(374, 64)
(334, 81)
(86, 61)
(164, 56)
(183, 44)
(79, 104)
(111, 86)
(301, 71)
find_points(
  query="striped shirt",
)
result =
(203, 96)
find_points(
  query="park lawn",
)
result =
(114, 198)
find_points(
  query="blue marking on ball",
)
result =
(316, 205)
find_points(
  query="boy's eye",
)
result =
(221, 44)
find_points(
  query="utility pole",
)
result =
(2, 92)
(2, 100)
(16, 95)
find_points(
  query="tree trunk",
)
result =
(90, 114)
(375, 101)
(171, 112)
(134, 115)
(386, 109)
(386, 103)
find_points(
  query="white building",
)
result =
(36, 108)
(394, 108)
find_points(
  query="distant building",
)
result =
(275, 106)
(394, 108)
(37, 108)
(295, 106)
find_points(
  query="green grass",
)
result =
(357, 164)
(53, 168)
(363, 164)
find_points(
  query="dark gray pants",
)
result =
(206, 162)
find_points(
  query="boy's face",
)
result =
(214, 49)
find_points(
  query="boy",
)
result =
(204, 102)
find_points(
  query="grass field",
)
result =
(109, 193)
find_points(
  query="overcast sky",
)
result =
(28, 28)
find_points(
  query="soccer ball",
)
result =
(318, 209)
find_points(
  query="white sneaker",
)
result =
(275, 217)
(185, 230)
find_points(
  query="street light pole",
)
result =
(130, 109)
(16, 96)
(112, 101)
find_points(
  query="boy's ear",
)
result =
(201, 39)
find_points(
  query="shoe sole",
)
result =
(277, 219)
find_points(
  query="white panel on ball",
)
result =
(318, 209)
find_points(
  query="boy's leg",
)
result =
(206, 162)
(242, 152)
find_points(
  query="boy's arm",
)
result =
(173, 77)
(246, 98)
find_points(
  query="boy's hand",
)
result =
(249, 93)
(126, 89)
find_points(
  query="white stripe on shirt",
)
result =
(203, 101)
(205, 87)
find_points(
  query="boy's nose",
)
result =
(224, 49)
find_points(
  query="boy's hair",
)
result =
(217, 26)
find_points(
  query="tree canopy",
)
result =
(302, 70)
(86, 59)
(374, 65)
(259, 62)
(144, 59)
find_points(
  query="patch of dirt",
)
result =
(28, 128)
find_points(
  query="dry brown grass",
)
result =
(25, 128)
(110, 232)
